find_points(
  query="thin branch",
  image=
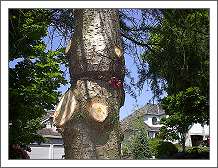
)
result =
(136, 42)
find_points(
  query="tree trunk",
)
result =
(183, 142)
(88, 113)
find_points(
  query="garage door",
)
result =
(48, 151)
(38, 152)
(58, 152)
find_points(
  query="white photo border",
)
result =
(5, 5)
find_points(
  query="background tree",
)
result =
(34, 80)
(184, 109)
(136, 146)
(179, 55)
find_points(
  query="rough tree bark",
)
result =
(88, 113)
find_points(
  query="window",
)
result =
(154, 120)
(151, 134)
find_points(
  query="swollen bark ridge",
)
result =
(88, 113)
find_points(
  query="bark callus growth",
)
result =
(88, 113)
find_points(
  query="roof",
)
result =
(126, 122)
(151, 109)
(48, 131)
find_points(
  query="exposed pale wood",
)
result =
(118, 51)
(67, 49)
(65, 108)
(97, 109)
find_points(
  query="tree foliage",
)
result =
(34, 79)
(136, 146)
(140, 148)
(162, 149)
(179, 55)
(179, 64)
(183, 109)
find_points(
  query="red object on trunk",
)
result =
(115, 83)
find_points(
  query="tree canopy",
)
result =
(34, 79)
(180, 51)
(183, 109)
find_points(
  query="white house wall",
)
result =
(148, 121)
(188, 141)
(58, 152)
(197, 129)
(206, 130)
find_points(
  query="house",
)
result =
(151, 115)
(53, 147)
(197, 134)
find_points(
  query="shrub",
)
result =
(179, 147)
(162, 149)
(136, 146)
(126, 149)
(167, 149)
(197, 150)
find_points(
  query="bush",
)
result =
(167, 149)
(193, 153)
(126, 149)
(197, 150)
(162, 149)
(179, 147)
